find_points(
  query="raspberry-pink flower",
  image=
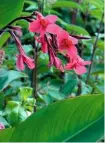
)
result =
(78, 65)
(67, 43)
(22, 57)
(41, 23)
(55, 60)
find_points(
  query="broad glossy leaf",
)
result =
(6, 77)
(74, 28)
(67, 4)
(68, 87)
(9, 10)
(77, 119)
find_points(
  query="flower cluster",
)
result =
(55, 40)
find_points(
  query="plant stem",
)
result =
(94, 49)
(35, 71)
(35, 46)
(16, 19)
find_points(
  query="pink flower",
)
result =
(2, 126)
(22, 57)
(67, 43)
(55, 60)
(44, 47)
(41, 23)
(78, 65)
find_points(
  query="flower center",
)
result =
(67, 42)
(44, 23)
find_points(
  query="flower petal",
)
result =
(80, 70)
(72, 51)
(86, 62)
(51, 18)
(74, 40)
(29, 61)
(34, 26)
(62, 35)
(19, 63)
(53, 29)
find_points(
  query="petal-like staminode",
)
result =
(80, 70)
(53, 29)
(77, 64)
(34, 26)
(51, 18)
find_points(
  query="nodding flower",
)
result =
(22, 58)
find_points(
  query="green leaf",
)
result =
(68, 87)
(9, 10)
(7, 134)
(97, 13)
(15, 113)
(73, 28)
(3, 38)
(77, 29)
(6, 77)
(67, 4)
(55, 94)
(96, 3)
(2, 120)
(78, 119)
(25, 92)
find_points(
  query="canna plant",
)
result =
(78, 119)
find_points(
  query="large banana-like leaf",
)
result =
(77, 119)
(9, 10)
